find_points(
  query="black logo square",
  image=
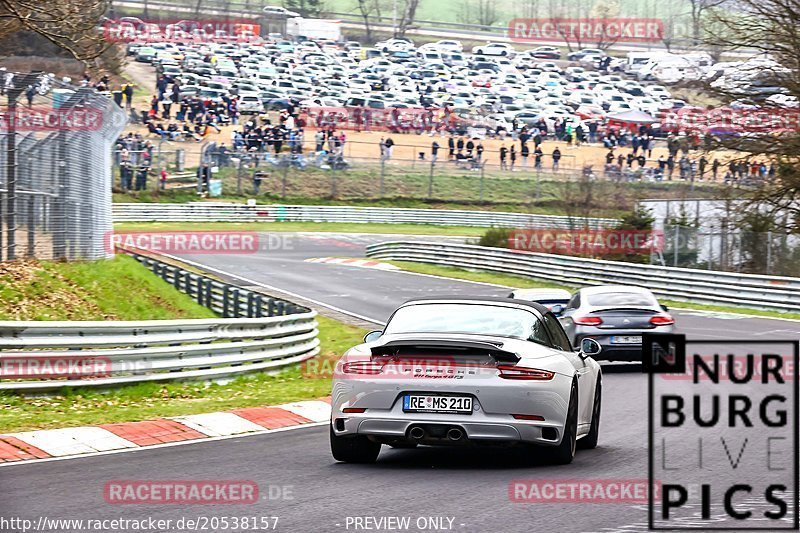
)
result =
(663, 353)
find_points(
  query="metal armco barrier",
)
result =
(262, 334)
(228, 300)
(683, 284)
(227, 212)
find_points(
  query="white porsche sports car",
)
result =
(460, 371)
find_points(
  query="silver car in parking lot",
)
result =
(462, 371)
(615, 316)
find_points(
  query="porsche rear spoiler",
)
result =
(451, 347)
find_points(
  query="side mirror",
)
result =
(372, 336)
(665, 308)
(557, 309)
(590, 347)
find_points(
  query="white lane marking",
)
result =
(272, 288)
(218, 424)
(71, 441)
(315, 410)
(164, 445)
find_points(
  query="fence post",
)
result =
(225, 299)
(333, 180)
(675, 241)
(430, 182)
(31, 225)
(239, 177)
(538, 184)
(482, 175)
(769, 252)
(383, 175)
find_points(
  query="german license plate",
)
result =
(413, 403)
(626, 339)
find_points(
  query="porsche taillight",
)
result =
(362, 367)
(523, 373)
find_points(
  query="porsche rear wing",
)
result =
(451, 347)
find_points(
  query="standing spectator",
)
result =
(203, 177)
(714, 169)
(451, 147)
(470, 147)
(434, 151)
(29, 93)
(556, 158)
(610, 157)
(389, 143)
(592, 131)
(161, 86)
(459, 146)
(141, 176)
(479, 151)
(642, 160)
(670, 166)
(503, 155)
(524, 152)
(319, 141)
(537, 157)
(163, 178)
(701, 166)
(513, 156)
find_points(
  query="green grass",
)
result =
(115, 289)
(340, 227)
(79, 407)
(525, 283)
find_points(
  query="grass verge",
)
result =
(86, 406)
(114, 289)
(524, 283)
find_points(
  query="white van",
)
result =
(636, 60)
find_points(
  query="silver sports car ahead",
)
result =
(466, 371)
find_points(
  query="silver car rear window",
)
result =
(620, 299)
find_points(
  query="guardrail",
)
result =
(261, 334)
(683, 284)
(227, 212)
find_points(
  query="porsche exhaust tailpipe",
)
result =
(455, 434)
(417, 433)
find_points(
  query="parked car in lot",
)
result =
(279, 11)
(494, 49)
(545, 52)
(577, 56)
(615, 316)
(466, 371)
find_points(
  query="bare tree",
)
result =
(407, 16)
(698, 11)
(480, 12)
(772, 28)
(71, 25)
(368, 8)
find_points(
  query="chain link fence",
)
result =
(55, 168)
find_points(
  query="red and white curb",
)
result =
(363, 263)
(66, 442)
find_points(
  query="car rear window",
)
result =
(620, 299)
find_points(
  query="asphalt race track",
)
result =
(469, 486)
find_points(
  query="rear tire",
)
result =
(564, 453)
(354, 449)
(589, 442)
